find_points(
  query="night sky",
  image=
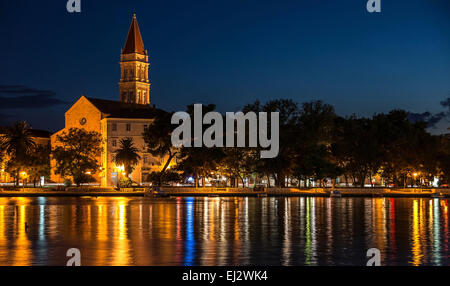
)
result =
(227, 52)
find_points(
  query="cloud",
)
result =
(432, 119)
(446, 103)
(22, 97)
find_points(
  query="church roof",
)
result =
(134, 42)
(118, 109)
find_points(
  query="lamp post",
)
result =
(415, 177)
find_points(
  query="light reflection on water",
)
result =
(224, 231)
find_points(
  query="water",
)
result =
(224, 231)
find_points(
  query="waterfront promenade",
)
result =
(213, 191)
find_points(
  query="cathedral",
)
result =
(115, 120)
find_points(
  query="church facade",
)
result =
(115, 120)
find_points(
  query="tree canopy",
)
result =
(77, 153)
(127, 155)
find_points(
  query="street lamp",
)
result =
(120, 169)
(24, 176)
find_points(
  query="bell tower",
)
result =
(134, 85)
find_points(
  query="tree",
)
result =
(166, 178)
(444, 159)
(236, 163)
(18, 144)
(39, 163)
(357, 148)
(281, 166)
(313, 158)
(386, 144)
(316, 164)
(127, 155)
(2, 154)
(77, 155)
(157, 138)
(403, 144)
(199, 161)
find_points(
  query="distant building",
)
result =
(116, 120)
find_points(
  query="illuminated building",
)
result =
(116, 120)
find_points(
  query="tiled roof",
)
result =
(118, 109)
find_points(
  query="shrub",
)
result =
(167, 177)
(67, 183)
(125, 183)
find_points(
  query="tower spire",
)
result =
(134, 42)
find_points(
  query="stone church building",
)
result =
(116, 120)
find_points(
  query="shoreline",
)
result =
(228, 192)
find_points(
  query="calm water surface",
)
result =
(224, 231)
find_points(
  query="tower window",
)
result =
(114, 127)
(128, 126)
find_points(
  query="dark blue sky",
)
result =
(227, 52)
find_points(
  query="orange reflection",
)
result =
(416, 245)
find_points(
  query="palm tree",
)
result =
(127, 155)
(18, 144)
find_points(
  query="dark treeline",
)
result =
(316, 145)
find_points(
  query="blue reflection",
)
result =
(190, 242)
(42, 202)
(41, 243)
(436, 233)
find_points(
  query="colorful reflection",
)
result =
(224, 231)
